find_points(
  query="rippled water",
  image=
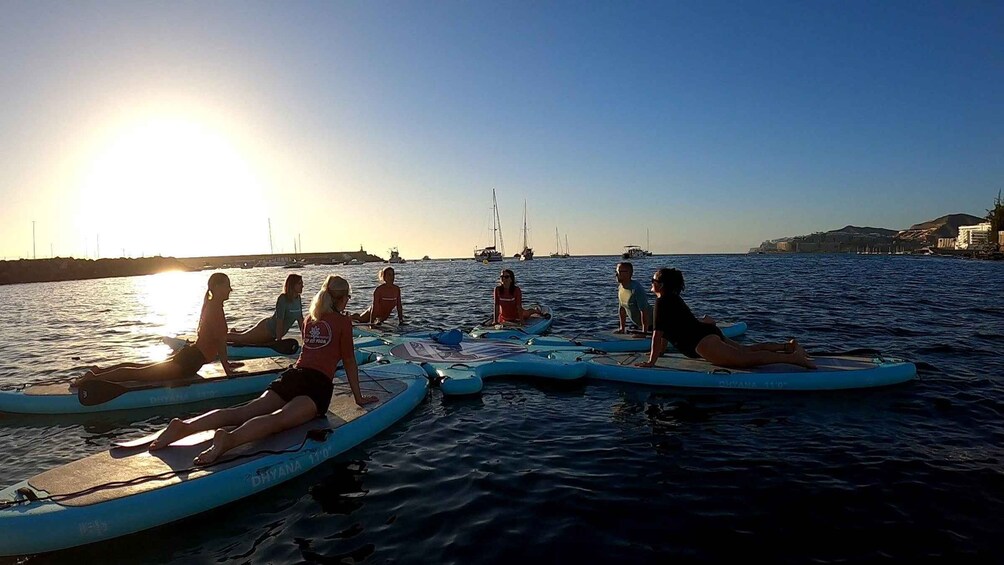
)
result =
(590, 472)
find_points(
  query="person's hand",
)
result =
(366, 400)
(619, 331)
(708, 320)
(645, 364)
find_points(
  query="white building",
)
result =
(946, 243)
(972, 236)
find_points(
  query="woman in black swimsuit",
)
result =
(675, 323)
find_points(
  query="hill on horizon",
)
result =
(945, 226)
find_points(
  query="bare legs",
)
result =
(264, 416)
(727, 353)
(162, 371)
(257, 335)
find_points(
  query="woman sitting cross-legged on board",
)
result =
(302, 392)
(508, 301)
(674, 322)
(210, 343)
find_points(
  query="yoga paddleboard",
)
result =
(611, 342)
(128, 489)
(508, 331)
(289, 347)
(832, 372)
(461, 369)
(253, 376)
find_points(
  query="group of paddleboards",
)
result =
(347, 377)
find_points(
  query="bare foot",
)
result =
(88, 376)
(174, 431)
(221, 443)
(802, 358)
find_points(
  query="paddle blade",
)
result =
(287, 346)
(92, 393)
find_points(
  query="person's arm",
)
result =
(280, 317)
(622, 315)
(352, 368)
(221, 338)
(646, 324)
(495, 309)
(373, 309)
(519, 306)
(656, 351)
(708, 320)
(400, 310)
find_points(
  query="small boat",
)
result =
(395, 257)
(558, 253)
(634, 252)
(426, 258)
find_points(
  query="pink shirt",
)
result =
(325, 342)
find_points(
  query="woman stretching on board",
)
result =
(508, 298)
(302, 392)
(386, 298)
(288, 311)
(210, 343)
(674, 322)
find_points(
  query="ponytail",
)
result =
(215, 281)
(334, 288)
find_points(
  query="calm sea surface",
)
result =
(594, 472)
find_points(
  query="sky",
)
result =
(186, 128)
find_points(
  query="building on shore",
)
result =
(973, 236)
(946, 243)
(1000, 239)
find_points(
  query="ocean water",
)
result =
(590, 472)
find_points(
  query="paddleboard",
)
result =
(832, 372)
(289, 347)
(461, 369)
(611, 342)
(517, 332)
(210, 382)
(129, 489)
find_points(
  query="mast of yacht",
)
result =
(557, 242)
(524, 225)
(497, 225)
(567, 254)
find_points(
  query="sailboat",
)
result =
(491, 254)
(527, 253)
(557, 244)
(566, 255)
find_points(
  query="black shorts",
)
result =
(300, 381)
(688, 345)
(190, 359)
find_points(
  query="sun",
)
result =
(169, 185)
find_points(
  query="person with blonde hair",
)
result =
(288, 311)
(386, 298)
(210, 343)
(300, 393)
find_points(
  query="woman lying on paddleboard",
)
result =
(302, 392)
(508, 299)
(288, 312)
(210, 343)
(386, 298)
(675, 323)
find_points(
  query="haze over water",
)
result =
(531, 471)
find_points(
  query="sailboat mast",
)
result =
(557, 241)
(566, 244)
(524, 225)
(498, 223)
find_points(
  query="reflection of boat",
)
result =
(527, 253)
(491, 254)
(395, 257)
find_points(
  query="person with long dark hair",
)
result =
(676, 324)
(210, 343)
(300, 393)
(288, 312)
(508, 301)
